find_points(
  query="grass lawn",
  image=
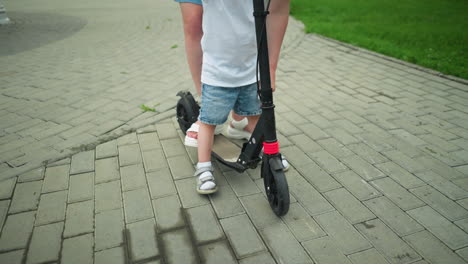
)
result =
(430, 33)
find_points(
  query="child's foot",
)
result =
(191, 137)
(206, 182)
(236, 130)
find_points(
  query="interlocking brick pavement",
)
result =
(377, 147)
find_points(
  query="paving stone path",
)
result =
(378, 150)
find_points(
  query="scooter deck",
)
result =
(226, 148)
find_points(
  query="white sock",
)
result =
(207, 185)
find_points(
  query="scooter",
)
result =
(264, 134)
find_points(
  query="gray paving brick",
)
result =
(166, 131)
(304, 143)
(108, 196)
(463, 224)
(334, 147)
(132, 177)
(129, 155)
(356, 185)
(109, 229)
(440, 168)
(241, 183)
(443, 185)
(51, 208)
(288, 129)
(215, 253)
(301, 224)
(114, 255)
(443, 229)
(327, 161)
(362, 167)
(127, 139)
(168, 213)
(107, 150)
(82, 162)
(437, 141)
(148, 141)
(400, 175)
(374, 141)
(39, 251)
(81, 187)
(17, 230)
(393, 216)
(78, 250)
(349, 206)
(242, 236)
(463, 253)
(160, 183)
(154, 160)
(204, 224)
(440, 203)
(142, 240)
(12, 257)
(4, 205)
(79, 219)
(282, 244)
(412, 165)
(316, 176)
(107, 170)
(181, 167)
(225, 202)
(324, 250)
(177, 249)
(33, 175)
(262, 258)
(137, 205)
(432, 249)
(259, 210)
(342, 136)
(346, 237)
(173, 147)
(408, 137)
(387, 242)
(295, 156)
(56, 178)
(188, 193)
(369, 256)
(397, 194)
(310, 198)
(26, 196)
(463, 203)
(6, 188)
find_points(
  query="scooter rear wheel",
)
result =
(187, 110)
(276, 187)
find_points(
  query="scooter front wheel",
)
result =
(187, 110)
(276, 186)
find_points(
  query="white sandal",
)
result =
(236, 130)
(193, 142)
(205, 179)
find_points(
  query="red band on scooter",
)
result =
(271, 148)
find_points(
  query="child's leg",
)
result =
(205, 142)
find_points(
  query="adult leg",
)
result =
(192, 19)
(277, 22)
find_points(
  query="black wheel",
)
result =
(187, 110)
(276, 186)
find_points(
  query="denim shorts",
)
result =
(198, 2)
(217, 102)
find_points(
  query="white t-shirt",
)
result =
(228, 43)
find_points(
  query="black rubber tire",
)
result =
(187, 111)
(276, 188)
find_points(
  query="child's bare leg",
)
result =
(253, 120)
(206, 182)
(205, 142)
